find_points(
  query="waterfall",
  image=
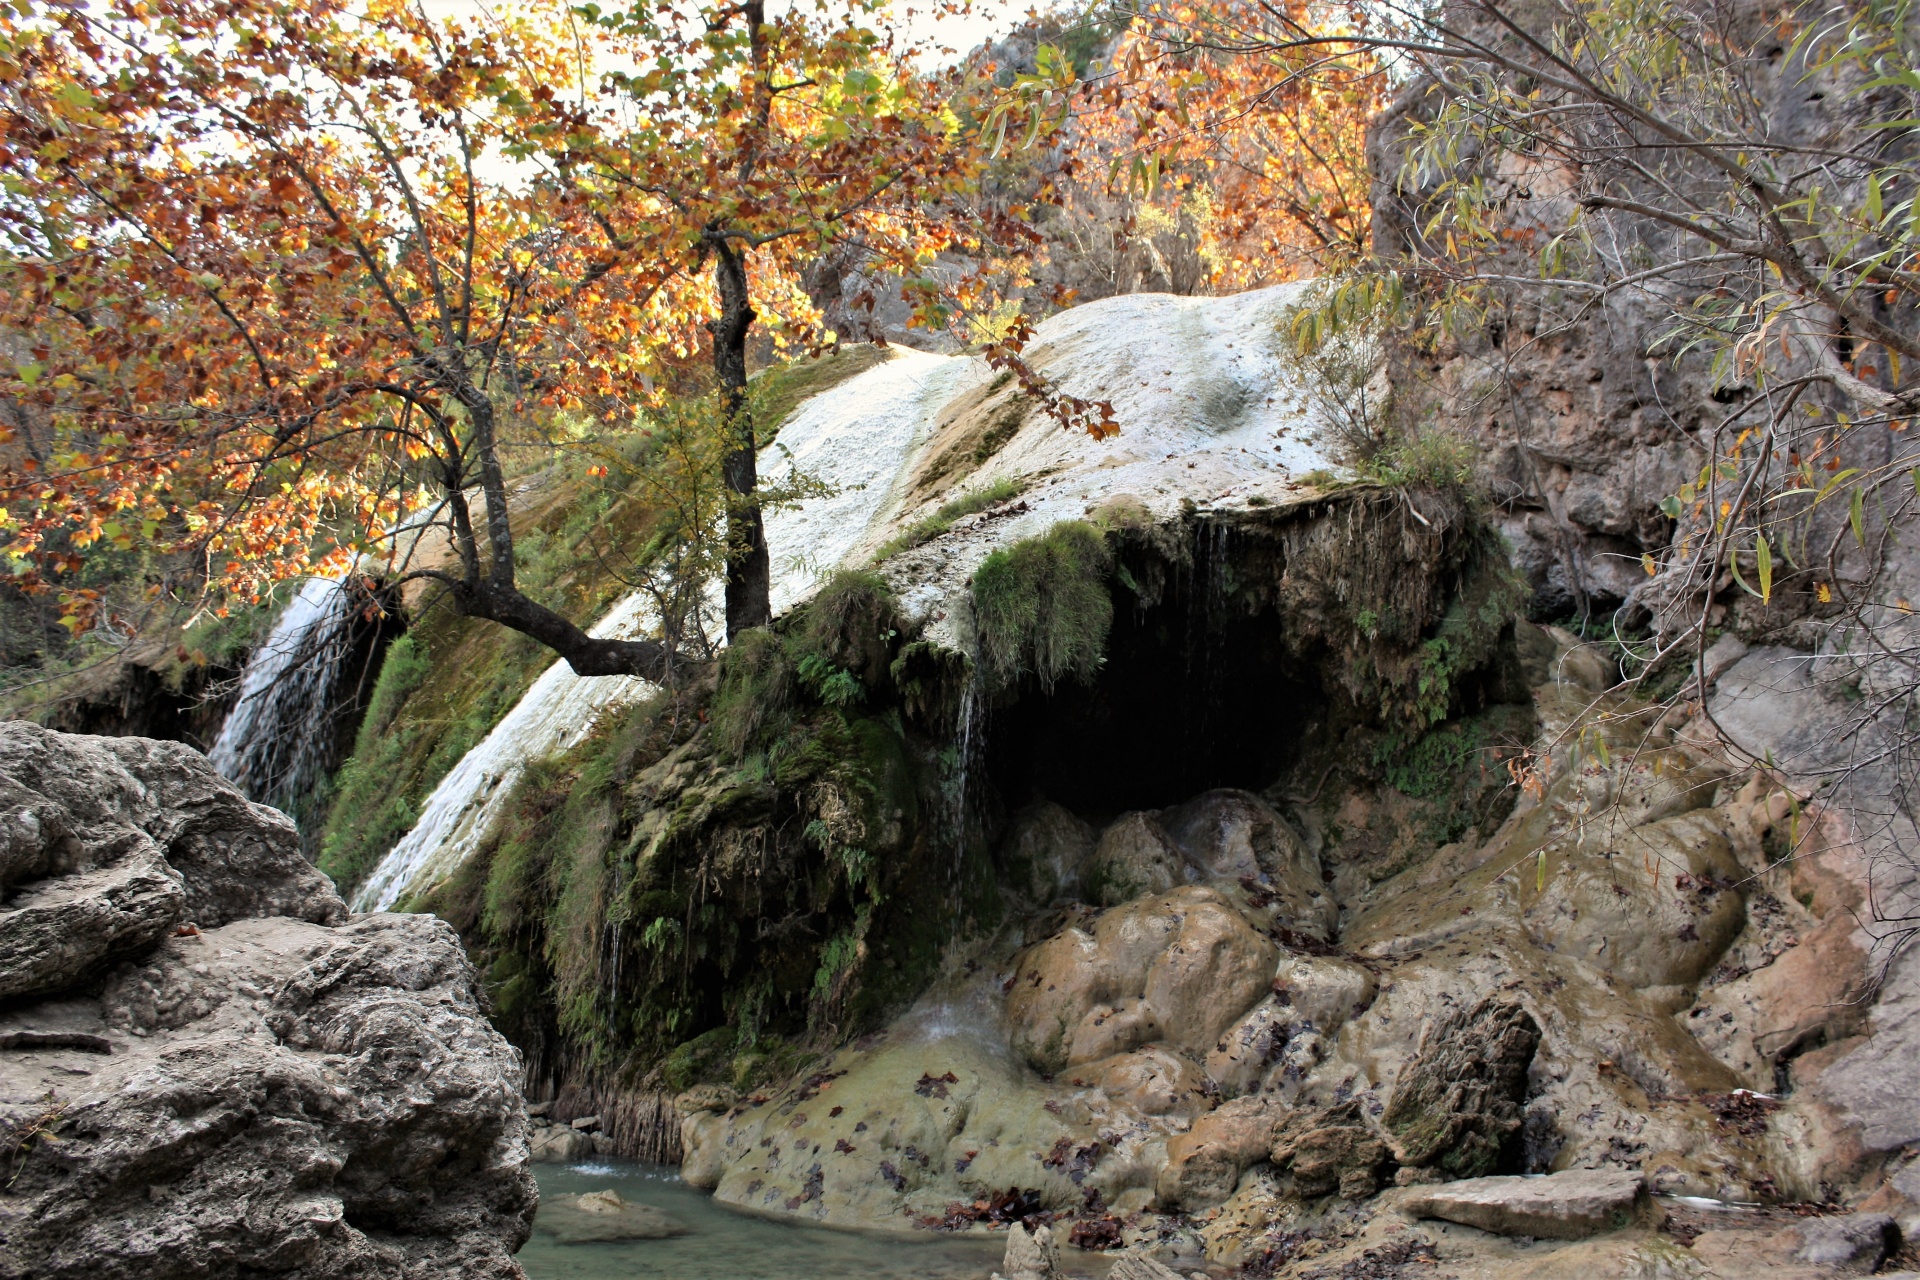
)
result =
(557, 712)
(853, 443)
(1207, 415)
(275, 742)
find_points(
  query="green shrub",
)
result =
(1041, 607)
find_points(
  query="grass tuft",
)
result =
(1042, 607)
(926, 530)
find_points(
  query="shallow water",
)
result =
(723, 1245)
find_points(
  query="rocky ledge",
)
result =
(207, 1067)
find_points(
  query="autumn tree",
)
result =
(1205, 156)
(291, 278)
(752, 148)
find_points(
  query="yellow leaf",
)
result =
(1647, 563)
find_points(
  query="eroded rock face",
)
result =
(112, 842)
(1584, 991)
(1457, 1103)
(293, 1094)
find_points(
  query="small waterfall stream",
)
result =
(274, 743)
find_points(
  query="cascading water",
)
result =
(851, 444)
(1206, 412)
(275, 742)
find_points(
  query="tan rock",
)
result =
(702, 1159)
(1236, 837)
(1134, 857)
(1197, 964)
(1327, 1150)
(1204, 1164)
(1112, 1029)
(1660, 909)
(1031, 1255)
(1557, 1206)
(1154, 1081)
(1322, 991)
(1214, 969)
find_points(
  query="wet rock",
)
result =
(1135, 857)
(1137, 1266)
(557, 1145)
(596, 1217)
(1235, 836)
(1857, 1242)
(1152, 1081)
(1653, 929)
(1031, 1254)
(1204, 1164)
(1046, 855)
(1557, 1206)
(1192, 961)
(1322, 991)
(1456, 1104)
(1328, 1150)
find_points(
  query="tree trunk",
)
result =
(749, 569)
(587, 655)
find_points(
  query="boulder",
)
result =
(1328, 1150)
(1045, 855)
(1856, 1242)
(1556, 1206)
(1182, 966)
(1237, 837)
(1456, 1104)
(279, 1090)
(61, 930)
(1134, 857)
(597, 1217)
(1031, 1255)
(112, 843)
(1205, 1163)
(280, 1097)
(557, 1144)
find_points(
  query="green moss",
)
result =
(705, 1059)
(754, 693)
(1042, 607)
(992, 495)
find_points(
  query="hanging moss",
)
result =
(1042, 608)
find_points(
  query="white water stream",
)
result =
(1206, 415)
(273, 743)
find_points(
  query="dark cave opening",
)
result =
(1195, 693)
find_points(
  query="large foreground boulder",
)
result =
(241, 1081)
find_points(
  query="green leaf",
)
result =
(1856, 516)
(1763, 557)
(1540, 873)
(1670, 505)
(1873, 198)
